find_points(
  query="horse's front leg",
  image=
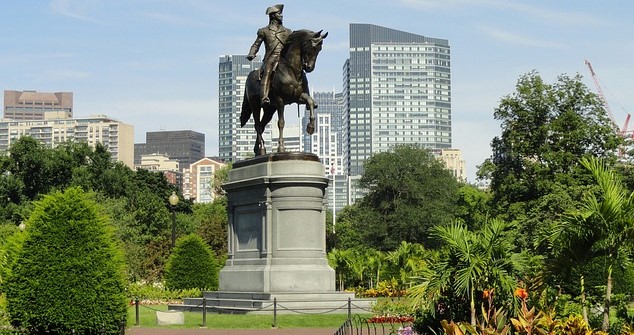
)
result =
(310, 128)
(259, 149)
(280, 127)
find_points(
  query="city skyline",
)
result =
(154, 65)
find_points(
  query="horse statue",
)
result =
(288, 85)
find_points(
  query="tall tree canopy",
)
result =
(138, 200)
(408, 191)
(546, 128)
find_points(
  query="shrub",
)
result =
(68, 275)
(191, 265)
(385, 288)
(392, 306)
(156, 293)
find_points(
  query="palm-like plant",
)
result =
(338, 260)
(358, 264)
(407, 260)
(475, 261)
(376, 261)
(606, 220)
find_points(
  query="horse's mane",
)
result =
(296, 37)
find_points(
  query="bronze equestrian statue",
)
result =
(274, 37)
(282, 80)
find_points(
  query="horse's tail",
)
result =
(245, 115)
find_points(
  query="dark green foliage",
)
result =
(346, 234)
(409, 191)
(29, 163)
(136, 200)
(69, 274)
(534, 171)
(473, 205)
(211, 222)
(191, 265)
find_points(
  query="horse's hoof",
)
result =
(310, 129)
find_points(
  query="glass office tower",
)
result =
(396, 90)
(235, 143)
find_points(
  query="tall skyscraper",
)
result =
(32, 105)
(397, 90)
(184, 146)
(330, 105)
(235, 143)
(326, 143)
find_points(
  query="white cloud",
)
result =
(174, 19)
(568, 17)
(62, 74)
(545, 14)
(79, 10)
(28, 58)
(517, 39)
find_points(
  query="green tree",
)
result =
(605, 221)
(191, 265)
(473, 260)
(68, 275)
(211, 224)
(534, 170)
(221, 176)
(408, 192)
(347, 235)
(376, 263)
(338, 260)
(28, 161)
(407, 260)
(473, 205)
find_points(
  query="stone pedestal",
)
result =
(277, 226)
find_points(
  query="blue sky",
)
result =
(154, 63)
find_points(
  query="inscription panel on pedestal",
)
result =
(248, 229)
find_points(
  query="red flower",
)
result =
(521, 293)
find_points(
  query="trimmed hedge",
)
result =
(68, 276)
(192, 264)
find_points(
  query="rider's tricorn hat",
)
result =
(274, 9)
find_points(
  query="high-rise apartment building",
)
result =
(397, 90)
(116, 136)
(235, 143)
(184, 146)
(32, 105)
(198, 180)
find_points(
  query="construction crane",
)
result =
(622, 131)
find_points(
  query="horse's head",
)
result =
(311, 47)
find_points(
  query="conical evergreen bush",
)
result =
(68, 276)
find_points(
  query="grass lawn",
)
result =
(147, 318)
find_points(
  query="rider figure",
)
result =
(274, 37)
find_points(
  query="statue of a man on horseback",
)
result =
(289, 55)
(274, 37)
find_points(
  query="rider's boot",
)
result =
(265, 92)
